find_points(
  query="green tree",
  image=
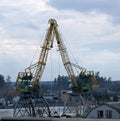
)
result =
(61, 82)
(8, 81)
(2, 81)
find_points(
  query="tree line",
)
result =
(63, 82)
(5, 88)
(106, 85)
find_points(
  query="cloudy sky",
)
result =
(89, 28)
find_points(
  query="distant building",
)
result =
(105, 111)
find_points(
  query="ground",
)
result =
(8, 113)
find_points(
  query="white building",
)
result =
(106, 111)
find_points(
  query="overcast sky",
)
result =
(90, 29)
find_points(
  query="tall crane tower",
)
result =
(31, 103)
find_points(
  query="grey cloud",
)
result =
(27, 24)
(110, 7)
(17, 23)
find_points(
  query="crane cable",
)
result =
(51, 68)
(68, 48)
(58, 63)
(59, 69)
(37, 47)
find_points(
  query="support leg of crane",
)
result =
(42, 107)
(72, 106)
(25, 106)
(29, 106)
(78, 104)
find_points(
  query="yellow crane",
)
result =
(52, 33)
(28, 83)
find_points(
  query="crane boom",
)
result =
(48, 43)
(65, 58)
(44, 54)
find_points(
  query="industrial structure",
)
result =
(32, 103)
